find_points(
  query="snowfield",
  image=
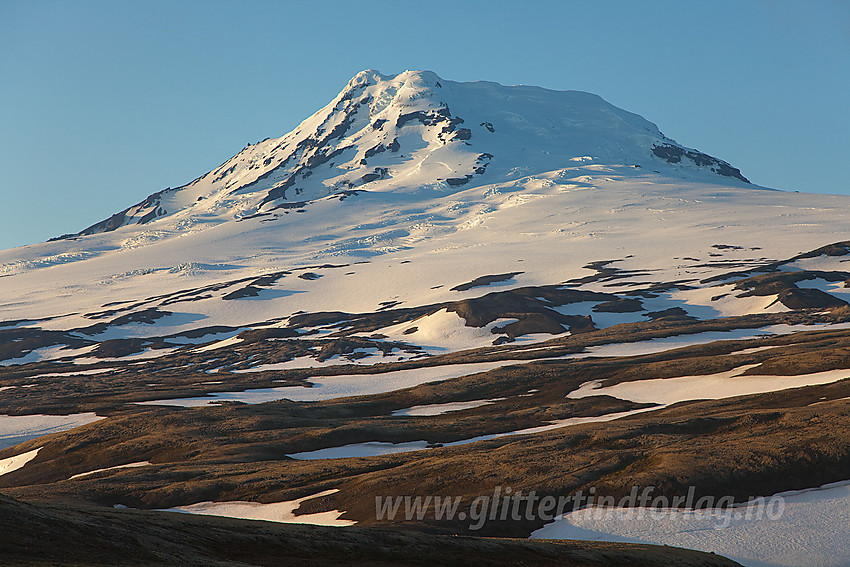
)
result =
(440, 409)
(276, 512)
(811, 527)
(342, 386)
(16, 429)
(11, 464)
(707, 387)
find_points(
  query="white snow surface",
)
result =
(116, 467)
(10, 464)
(727, 384)
(283, 512)
(813, 529)
(77, 373)
(440, 409)
(16, 429)
(653, 346)
(444, 331)
(343, 386)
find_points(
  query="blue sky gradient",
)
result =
(106, 102)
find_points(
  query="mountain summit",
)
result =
(415, 131)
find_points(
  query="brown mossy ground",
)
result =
(65, 535)
(745, 446)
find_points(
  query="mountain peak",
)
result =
(369, 77)
(415, 131)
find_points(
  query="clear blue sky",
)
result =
(106, 102)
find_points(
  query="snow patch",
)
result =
(16, 429)
(727, 384)
(127, 466)
(10, 464)
(440, 409)
(333, 387)
(813, 529)
(283, 512)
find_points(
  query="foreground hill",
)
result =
(66, 535)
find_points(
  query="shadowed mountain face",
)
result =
(431, 288)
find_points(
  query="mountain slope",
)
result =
(446, 286)
(434, 182)
(445, 181)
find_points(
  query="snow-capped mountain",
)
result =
(397, 192)
(413, 132)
